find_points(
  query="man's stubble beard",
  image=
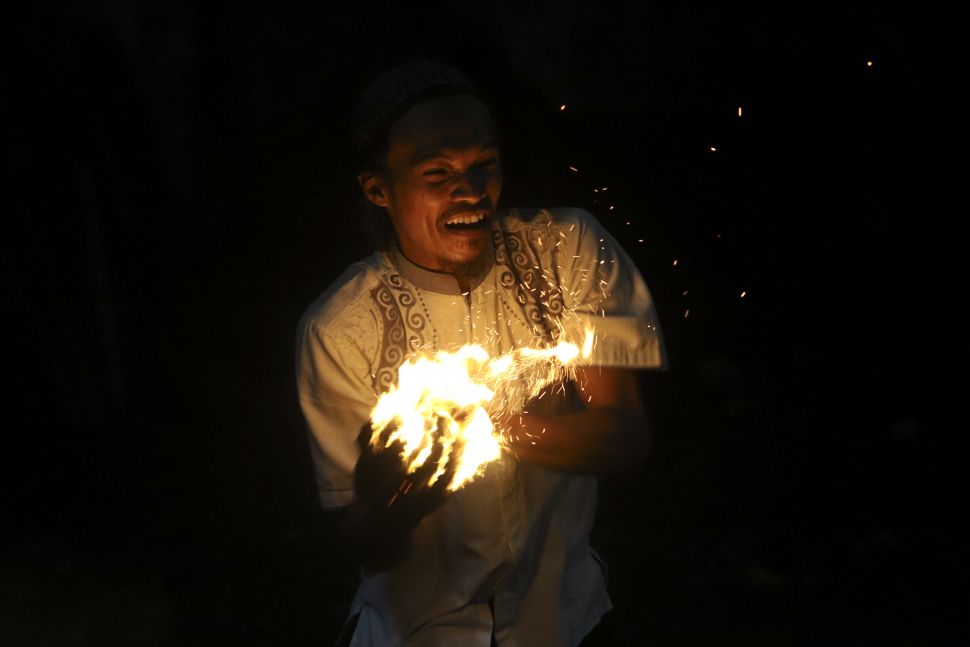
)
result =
(472, 268)
(477, 266)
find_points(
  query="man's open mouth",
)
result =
(466, 222)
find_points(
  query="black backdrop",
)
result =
(180, 191)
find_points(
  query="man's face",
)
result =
(441, 183)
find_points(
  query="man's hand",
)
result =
(610, 436)
(381, 482)
(390, 502)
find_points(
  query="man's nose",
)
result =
(470, 186)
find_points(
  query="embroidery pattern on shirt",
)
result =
(539, 296)
(396, 305)
(434, 331)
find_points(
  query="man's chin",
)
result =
(472, 266)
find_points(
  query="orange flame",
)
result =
(451, 400)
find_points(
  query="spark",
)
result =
(686, 312)
(675, 262)
(713, 149)
(574, 169)
(743, 294)
(562, 107)
(868, 63)
(739, 111)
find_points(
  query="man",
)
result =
(506, 559)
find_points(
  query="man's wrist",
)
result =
(380, 539)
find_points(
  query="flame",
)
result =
(452, 400)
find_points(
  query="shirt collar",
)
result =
(431, 281)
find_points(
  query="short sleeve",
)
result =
(605, 291)
(336, 400)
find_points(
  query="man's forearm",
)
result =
(597, 441)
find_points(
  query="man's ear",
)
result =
(373, 187)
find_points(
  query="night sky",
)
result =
(181, 189)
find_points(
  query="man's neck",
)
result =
(466, 275)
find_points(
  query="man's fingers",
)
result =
(424, 473)
(436, 452)
(363, 436)
(439, 491)
(379, 472)
(366, 434)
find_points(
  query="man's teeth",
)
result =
(465, 220)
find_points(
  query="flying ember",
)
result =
(456, 400)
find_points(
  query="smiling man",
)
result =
(505, 560)
(439, 182)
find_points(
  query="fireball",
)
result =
(452, 400)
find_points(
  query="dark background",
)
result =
(181, 190)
